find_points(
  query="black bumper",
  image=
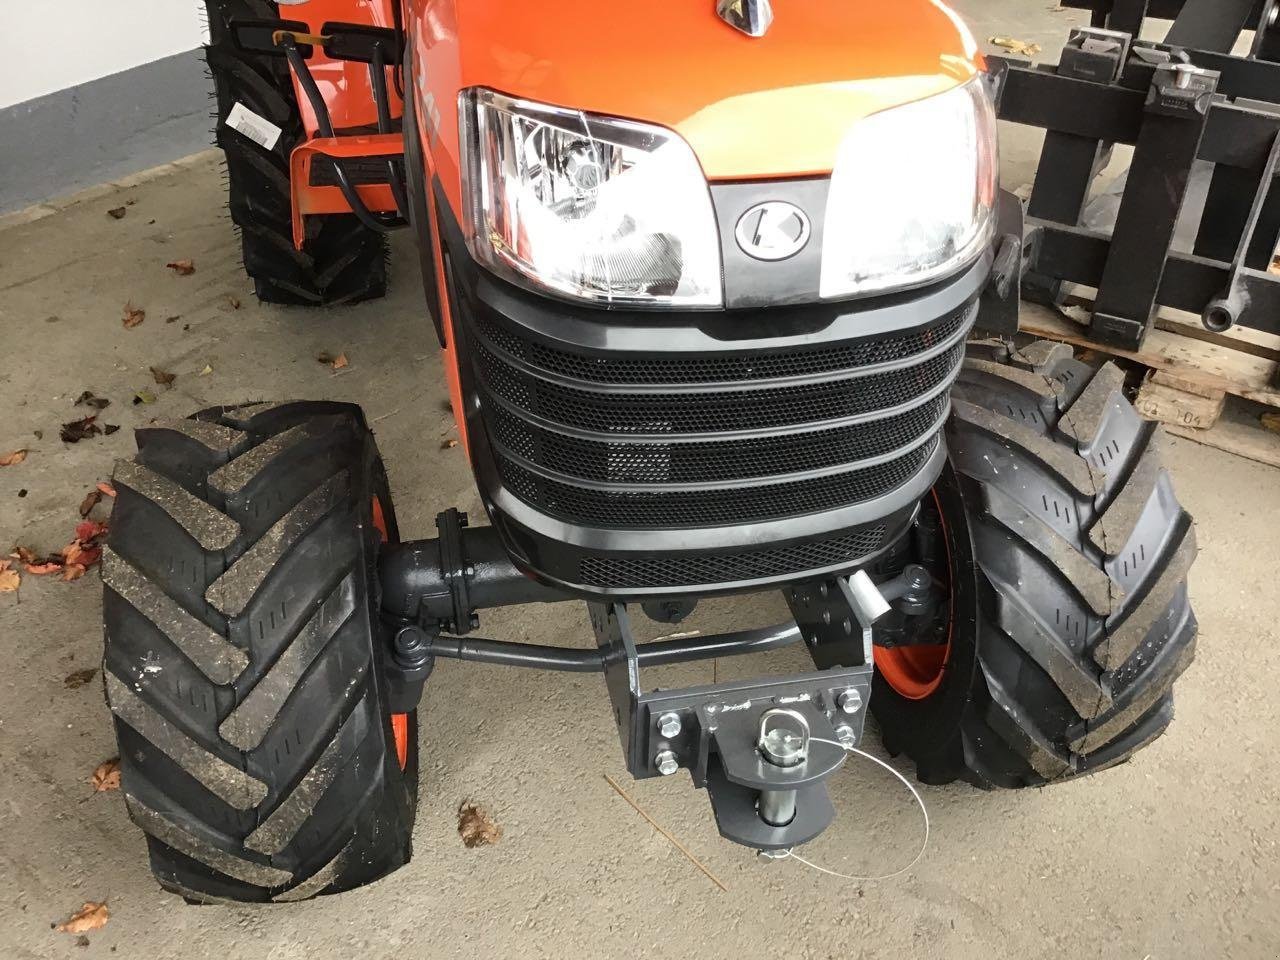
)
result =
(627, 454)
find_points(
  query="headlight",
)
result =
(591, 207)
(912, 196)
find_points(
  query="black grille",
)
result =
(360, 170)
(642, 441)
(676, 570)
(723, 411)
(724, 368)
(710, 460)
(637, 509)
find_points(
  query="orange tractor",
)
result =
(706, 276)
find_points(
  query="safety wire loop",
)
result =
(791, 854)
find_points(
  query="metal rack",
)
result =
(1180, 101)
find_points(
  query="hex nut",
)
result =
(844, 733)
(850, 701)
(666, 763)
(669, 725)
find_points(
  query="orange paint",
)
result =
(344, 85)
(916, 672)
(399, 721)
(400, 733)
(309, 200)
(774, 106)
(450, 351)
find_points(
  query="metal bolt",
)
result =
(844, 733)
(1184, 73)
(849, 701)
(669, 725)
(666, 763)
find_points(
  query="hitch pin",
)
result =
(306, 39)
(783, 746)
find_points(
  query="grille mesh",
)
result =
(726, 568)
(719, 412)
(637, 509)
(723, 368)
(706, 461)
(619, 441)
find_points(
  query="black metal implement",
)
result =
(766, 793)
(577, 660)
(381, 52)
(1182, 102)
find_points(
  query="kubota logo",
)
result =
(773, 230)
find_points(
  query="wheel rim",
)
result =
(916, 672)
(399, 721)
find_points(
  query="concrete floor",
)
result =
(1173, 855)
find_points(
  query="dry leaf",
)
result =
(324, 356)
(12, 458)
(110, 428)
(1271, 421)
(76, 430)
(235, 302)
(87, 399)
(91, 531)
(25, 554)
(74, 681)
(476, 827)
(143, 396)
(77, 556)
(174, 319)
(92, 916)
(1020, 48)
(106, 489)
(163, 377)
(106, 776)
(449, 444)
(206, 371)
(90, 501)
(133, 316)
(183, 268)
(9, 579)
(117, 213)
(339, 361)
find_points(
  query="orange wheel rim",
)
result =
(400, 733)
(380, 519)
(399, 721)
(916, 672)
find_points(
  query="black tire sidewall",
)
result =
(928, 729)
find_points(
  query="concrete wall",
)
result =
(122, 89)
(96, 38)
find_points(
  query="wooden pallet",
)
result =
(1191, 374)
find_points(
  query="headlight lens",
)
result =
(594, 208)
(912, 195)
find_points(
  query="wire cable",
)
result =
(791, 854)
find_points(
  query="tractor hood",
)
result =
(751, 107)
